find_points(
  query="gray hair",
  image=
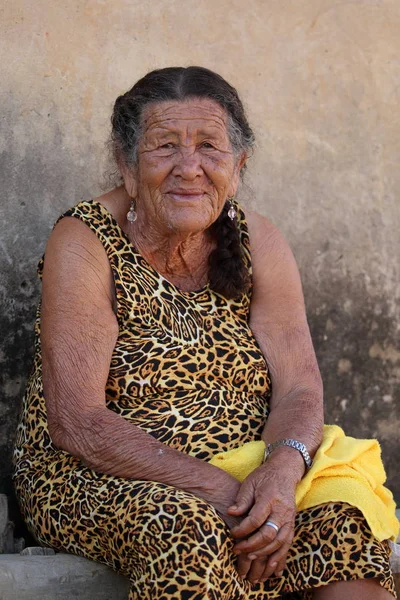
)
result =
(175, 83)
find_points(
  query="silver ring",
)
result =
(272, 524)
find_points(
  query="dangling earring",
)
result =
(231, 212)
(132, 214)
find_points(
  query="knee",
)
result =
(187, 521)
(189, 546)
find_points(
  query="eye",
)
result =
(208, 145)
(167, 145)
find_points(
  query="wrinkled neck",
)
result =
(182, 259)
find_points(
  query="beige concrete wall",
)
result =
(321, 80)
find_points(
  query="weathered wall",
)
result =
(321, 80)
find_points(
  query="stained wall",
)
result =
(321, 82)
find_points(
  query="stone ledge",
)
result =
(64, 576)
(58, 577)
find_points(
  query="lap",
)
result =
(158, 535)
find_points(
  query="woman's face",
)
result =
(186, 166)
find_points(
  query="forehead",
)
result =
(198, 113)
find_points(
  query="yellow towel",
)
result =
(345, 469)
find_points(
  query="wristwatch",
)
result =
(293, 444)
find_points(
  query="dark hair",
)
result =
(228, 273)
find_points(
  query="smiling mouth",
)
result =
(185, 194)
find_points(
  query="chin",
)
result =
(189, 223)
(187, 228)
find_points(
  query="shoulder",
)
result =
(265, 238)
(277, 298)
(89, 222)
(70, 233)
(276, 278)
(75, 255)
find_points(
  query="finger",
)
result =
(254, 520)
(243, 565)
(255, 551)
(266, 533)
(256, 570)
(281, 556)
(276, 562)
(244, 500)
(264, 537)
(280, 568)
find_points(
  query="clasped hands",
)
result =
(267, 494)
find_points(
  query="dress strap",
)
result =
(116, 244)
(102, 223)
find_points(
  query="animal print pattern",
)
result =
(186, 369)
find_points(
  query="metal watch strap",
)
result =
(293, 444)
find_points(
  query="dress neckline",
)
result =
(133, 248)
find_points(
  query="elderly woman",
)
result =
(165, 316)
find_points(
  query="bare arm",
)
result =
(79, 330)
(278, 321)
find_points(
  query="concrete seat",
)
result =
(58, 577)
(64, 576)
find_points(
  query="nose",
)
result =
(188, 164)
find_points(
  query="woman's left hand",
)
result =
(267, 494)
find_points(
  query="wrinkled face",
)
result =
(186, 166)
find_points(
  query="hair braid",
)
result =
(228, 274)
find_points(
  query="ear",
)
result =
(236, 175)
(130, 180)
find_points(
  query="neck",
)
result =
(181, 259)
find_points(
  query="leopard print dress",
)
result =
(186, 369)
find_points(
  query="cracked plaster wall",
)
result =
(321, 81)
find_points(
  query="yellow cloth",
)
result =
(345, 469)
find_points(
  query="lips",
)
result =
(182, 194)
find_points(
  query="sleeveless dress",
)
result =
(187, 370)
